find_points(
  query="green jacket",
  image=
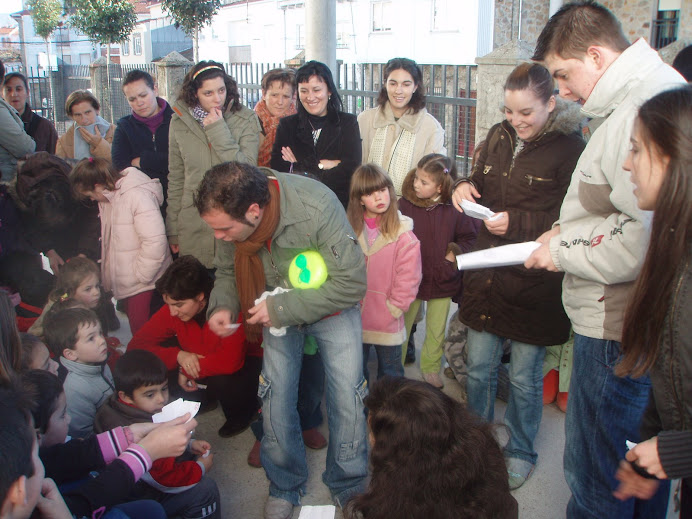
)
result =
(192, 151)
(311, 217)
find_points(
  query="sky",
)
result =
(10, 6)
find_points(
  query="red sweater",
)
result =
(222, 355)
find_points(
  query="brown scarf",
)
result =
(249, 272)
(269, 125)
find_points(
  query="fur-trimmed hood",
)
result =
(409, 193)
(566, 119)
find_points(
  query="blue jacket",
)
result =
(133, 139)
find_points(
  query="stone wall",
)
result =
(635, 16)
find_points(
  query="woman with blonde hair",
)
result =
(90, 135)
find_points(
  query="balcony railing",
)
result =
(664, 30)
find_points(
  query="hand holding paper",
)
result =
(513, 254)
(479, 211)
(175, 409)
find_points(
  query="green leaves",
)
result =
(104, 21)
(191, 15)
(46, 15)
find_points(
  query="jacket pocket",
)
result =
(446, 276)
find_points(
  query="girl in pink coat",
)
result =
(134, 248)
(393, 263)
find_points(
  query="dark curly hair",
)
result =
(193, 82)
(185, 278)
(430, 458)
(417, 102)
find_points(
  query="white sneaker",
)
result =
(433, 379)
(277, 508)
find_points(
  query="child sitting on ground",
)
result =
(35, 354)
(179, 484)
(430, 458)
(102, 471)
(75, 336)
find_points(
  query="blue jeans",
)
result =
(525, 402)
(144, 509)
(339, 339)
(604, 410)
(388, 361)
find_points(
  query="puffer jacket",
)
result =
(134, 249)
(192, 151)
(669, 413)
(87, 387)
(429, 137)
(310, 218)
(603, 234)
(440, 229)
(65, 145)
(394, 272)
(513, 302)
(14, 141)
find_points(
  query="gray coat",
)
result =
(86, 387)
(15, 143)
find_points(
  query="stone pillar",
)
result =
(170, 72)
(493, 70)
(98, 70)
(320, 30)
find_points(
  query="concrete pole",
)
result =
(320, 32)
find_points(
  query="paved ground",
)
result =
(244, 489)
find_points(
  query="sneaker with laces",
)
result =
(433, 379)
(277, 508)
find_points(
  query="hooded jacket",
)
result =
(440, 229)
(134, 249)
(513, 302)
(15, 143)
(603, 234)
(310, 218)
(192, 151)
(87, 387)
(428, 137)
(394, 272)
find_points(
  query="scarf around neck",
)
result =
(249, 272)
(155, 120)
(82, 150)
(269, 125)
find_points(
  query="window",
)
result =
(125, 47)
(137, 44)
(343, 35)
(381, 15)
(446, 15)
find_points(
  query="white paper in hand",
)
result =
(514, 254)
(317, 512)
(479, 211)
(175, 409)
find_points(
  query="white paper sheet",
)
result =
(479, 211)
(175, 409)
(514, 254)
(317, 512)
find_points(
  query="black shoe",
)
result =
(230, 428)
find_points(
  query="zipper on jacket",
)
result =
(153, 140)
(531, 178)
(676, 397)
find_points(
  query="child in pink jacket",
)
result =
(134, 248)
(393, 263)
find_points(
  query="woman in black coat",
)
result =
(320, 140)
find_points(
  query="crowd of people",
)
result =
(260, 257)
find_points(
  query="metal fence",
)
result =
(450, 97)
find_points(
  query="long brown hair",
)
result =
(199, 74)
(431, 457)
(666, 126)
(367, 179)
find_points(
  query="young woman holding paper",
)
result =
(522, 173)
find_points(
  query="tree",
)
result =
(191, 16)
(46, 15)
(105, 22)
